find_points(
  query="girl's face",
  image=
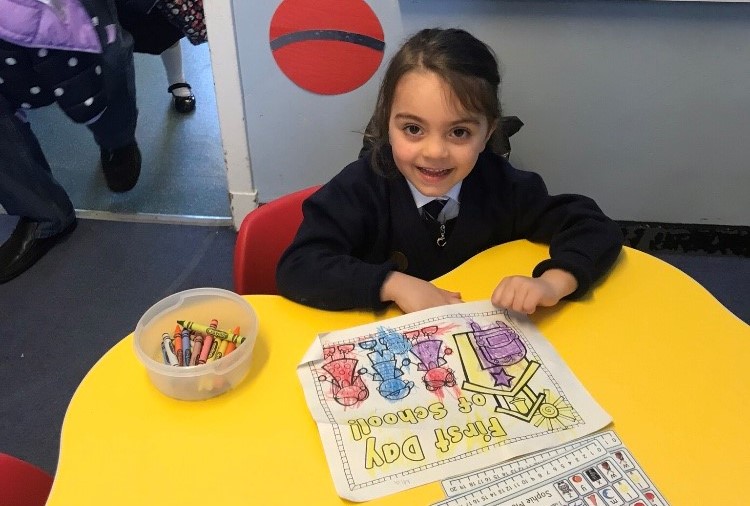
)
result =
(435, 141)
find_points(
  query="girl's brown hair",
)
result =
(467, 64)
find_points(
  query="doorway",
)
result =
(183, 177)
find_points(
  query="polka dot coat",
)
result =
(36, 77)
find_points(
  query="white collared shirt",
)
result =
(451, 208)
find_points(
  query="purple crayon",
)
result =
(167, 350)
(186, 350)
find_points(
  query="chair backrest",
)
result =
(263, 236)
(22, 483)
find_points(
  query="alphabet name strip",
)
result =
(593, 471)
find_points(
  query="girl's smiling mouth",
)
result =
(433, 172)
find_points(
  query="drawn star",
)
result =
(502, 378)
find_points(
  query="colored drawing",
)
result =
(328, 47)
(432, 394)
(347, 387)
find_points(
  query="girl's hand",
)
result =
(525, 294)
(413, 294)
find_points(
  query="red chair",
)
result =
(22, 483)
(263, 236)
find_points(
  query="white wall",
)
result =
(230, 108)
(645, 106)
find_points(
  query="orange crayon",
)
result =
(230, 345)
(177, 341)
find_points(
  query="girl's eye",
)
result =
(461, 133)
(412, 129)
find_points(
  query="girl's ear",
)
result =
(491, 130)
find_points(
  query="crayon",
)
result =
(167, 350)
(186, 350)
(219, 346)
(220, 350)
(224, 349)
(207, 343)
(164, 356)
(231, 346)
(217, 333)
(177, 342)
(196, 351)
(212, 352)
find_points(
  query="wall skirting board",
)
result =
(695, 239)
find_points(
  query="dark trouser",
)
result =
(116, 127)
(27, 187)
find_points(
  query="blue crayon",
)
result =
(167, 350)
(186, 346)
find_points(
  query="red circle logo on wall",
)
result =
(327, 47)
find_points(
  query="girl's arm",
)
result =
(583, 240)
(334, 261)
(524, 294)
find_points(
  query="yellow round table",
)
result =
(661, 355)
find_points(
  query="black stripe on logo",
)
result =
(352, 38)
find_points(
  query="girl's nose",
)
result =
(435, 147)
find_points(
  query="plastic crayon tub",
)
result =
(200, 305)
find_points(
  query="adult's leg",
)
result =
(116, 126)
(28, 190)
(114, 131)
(27, 187)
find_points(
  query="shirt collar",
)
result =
(421, 200)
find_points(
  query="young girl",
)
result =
(157, 26)
(366, 239)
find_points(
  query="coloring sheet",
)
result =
(437, 393)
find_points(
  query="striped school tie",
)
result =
(430, 213)
(431, 210)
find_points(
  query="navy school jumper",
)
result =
(362, 225)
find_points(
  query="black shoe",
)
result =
(182, 104)
(23, 249)
(121, 167)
